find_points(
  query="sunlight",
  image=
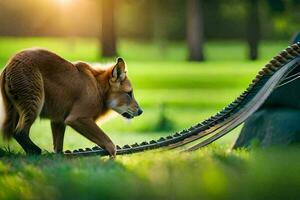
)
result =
(64, 3)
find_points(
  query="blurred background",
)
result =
(187, 59)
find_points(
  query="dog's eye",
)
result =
(130, 93)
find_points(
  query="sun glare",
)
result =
(64, 3)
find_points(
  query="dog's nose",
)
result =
(140, 111)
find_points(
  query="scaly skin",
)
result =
(273, 75)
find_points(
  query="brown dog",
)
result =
(38, 82)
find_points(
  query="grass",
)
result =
(191, 92)
(211, 173)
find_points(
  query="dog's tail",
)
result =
(8, 113)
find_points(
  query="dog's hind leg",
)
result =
(25, 89)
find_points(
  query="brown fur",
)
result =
(38, 82)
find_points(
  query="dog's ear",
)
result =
(119, 71)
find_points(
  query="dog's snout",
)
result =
(140, 111)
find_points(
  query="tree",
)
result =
(253, 29)
(195, 30)
(108, 34)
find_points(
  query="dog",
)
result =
(37, 82)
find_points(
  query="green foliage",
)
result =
(73, 48)
(146, 19)
(164, 123)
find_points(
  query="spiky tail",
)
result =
(8, 114)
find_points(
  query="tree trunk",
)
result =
(195, 30)
(108, 35)
(253, 32)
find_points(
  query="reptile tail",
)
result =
(278, 72)
(8, 114)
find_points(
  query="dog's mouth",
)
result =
(127, 115)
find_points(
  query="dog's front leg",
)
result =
(58, 132)
(88, 128)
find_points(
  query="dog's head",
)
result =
(120, 96)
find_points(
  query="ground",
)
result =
(189, 93)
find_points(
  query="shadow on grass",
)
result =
(7, 152)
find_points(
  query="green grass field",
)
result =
(189, 92)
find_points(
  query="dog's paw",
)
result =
(111, 148)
